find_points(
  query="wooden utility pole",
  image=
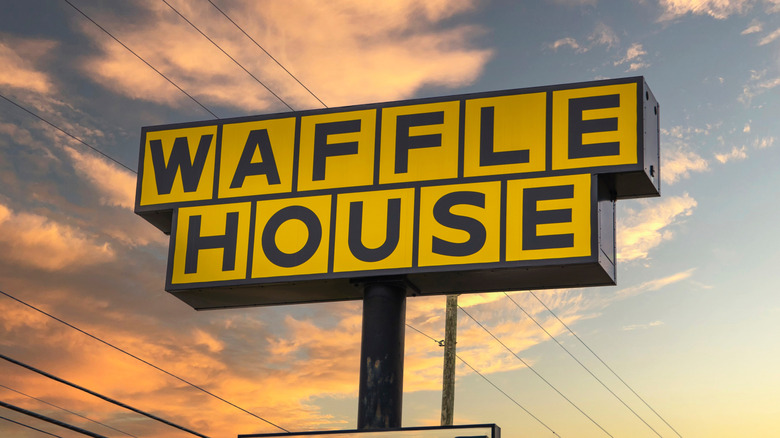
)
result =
(448, 378)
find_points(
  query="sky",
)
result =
(693, 324)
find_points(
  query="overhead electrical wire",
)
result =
(489, 381)
(266, 52)
(534, 371)
(98, 395)
(228, 55)
(28, 426)
(51, 420)
(604, 363)
(66, 133)
(582, 365)
(142, 360)
(68, 411)
(139, 57)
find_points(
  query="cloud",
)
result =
(769, 38)
(679, 164)
(656, 284)
(604, 35)
(396, 48)
(753, 27)
(634, 58)
(117, 186)
(736, 153)
(567, 42)
(18, 58)
(34, 240)
(772, 6)
(718, 9)
(639, 231)
(678, 159)
(576, 2)
(758, 84)
(764, 142)
(642, 326)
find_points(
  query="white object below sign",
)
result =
(473, 431)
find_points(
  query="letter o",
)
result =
(281, 258)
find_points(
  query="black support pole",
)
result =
(382, 354)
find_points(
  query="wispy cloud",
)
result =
(656, 284)
(602, 35)
(678, 158)
(18, 58)
(679, 164)
(736, 154)
(639, 231)
(117, 186)
(763, 142)
(567, 42)
(642, 326)
(718, 9)
(633, 58)
(395, 51)
(33, 240)
(769, 38)
(754, 27)
(759, 83)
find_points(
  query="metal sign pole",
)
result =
(382, 354)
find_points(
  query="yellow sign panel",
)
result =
(550, 218)
(596, 127)
(337, 150)
(460, 224)
(211, 243)
(505, 135)
(374, 230)
(419, 143)
(178, 166)
(291, 237)
(484, 187)
(256, 158)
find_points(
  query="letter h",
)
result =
(228, 242)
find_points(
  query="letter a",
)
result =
(257, 140)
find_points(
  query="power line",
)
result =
(266, 52)
(141, 360)
(228, 55)
(139, 57)
(605, 364)
(98, 395)
(535, 372)
(50, 420)
(66, 132)
(581, 364)
(28, 426)
(489, 381)
(68, 411)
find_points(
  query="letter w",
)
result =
(180, 158)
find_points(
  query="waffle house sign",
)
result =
(470, 193)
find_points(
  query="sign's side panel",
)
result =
(646, 180)
(652, 138)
